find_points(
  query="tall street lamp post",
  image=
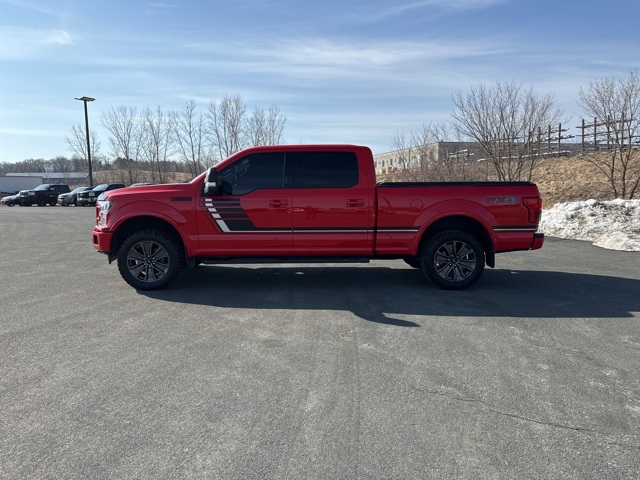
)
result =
(86, 124)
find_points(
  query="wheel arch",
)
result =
(463, 223)
(144, 222)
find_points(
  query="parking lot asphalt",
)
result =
(314, 372)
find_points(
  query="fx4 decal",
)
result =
(500, 200)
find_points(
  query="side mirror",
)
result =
(211, 182)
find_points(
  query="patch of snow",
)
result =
(614, 225)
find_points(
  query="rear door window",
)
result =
(324, 169)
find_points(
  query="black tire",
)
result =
(41, 202)
(53, 203)
(452, 259)
(149, 260)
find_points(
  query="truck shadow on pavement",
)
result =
(381, 294)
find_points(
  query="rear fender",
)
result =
(455, 208)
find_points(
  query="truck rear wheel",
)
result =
(452, 259)
(149, 260)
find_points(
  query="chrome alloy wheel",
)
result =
(148, 261)
(454, 261)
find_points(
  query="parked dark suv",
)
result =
(42, 194)
(89, 197)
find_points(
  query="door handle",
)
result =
(278, 203)
(355, 203)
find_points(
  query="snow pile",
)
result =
(614, 225)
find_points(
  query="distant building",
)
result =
(14, 182)
(465, 152)
(391, 162)
(55, 177)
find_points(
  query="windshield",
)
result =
(42, 187)
(78, 190)
(101, 188)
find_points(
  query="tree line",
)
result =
(154, 144)
(158, 141)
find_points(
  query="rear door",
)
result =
(252, 215)
(332, 205)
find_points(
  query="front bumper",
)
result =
(102, 239)
(86, 201)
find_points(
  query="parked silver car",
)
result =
(71, 198)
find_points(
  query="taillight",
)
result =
(534, 205)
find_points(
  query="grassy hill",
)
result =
(569, 179)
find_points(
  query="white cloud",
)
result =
(318, 60)
(161, 5)
(57, 37)
(409, 7)
(43, 8)
(21, 43)
(32, 132)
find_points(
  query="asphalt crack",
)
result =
(493, 409)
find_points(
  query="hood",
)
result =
(163, 192)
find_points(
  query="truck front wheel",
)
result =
(149, 260)
(452, 259)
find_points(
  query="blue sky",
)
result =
(342, 71)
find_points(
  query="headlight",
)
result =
(103, 208)
(91, 194)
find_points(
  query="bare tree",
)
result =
(126, 137)
(190, 138)
(504, 120)
(61, 164)
(32, 165)
(405, 162)
(158, 141)
(432, 146)
(77, 143)
(256, 128)
(226, 119)
(429, 154)
(275, 122)
(615, 104)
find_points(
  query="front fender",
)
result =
(150, 208)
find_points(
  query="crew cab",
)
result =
(313, 203)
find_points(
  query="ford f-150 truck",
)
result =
(313, 203)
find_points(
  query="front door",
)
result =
(252, 214)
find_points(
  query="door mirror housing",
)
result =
(211, 182)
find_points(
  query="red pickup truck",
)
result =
(313, 203)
